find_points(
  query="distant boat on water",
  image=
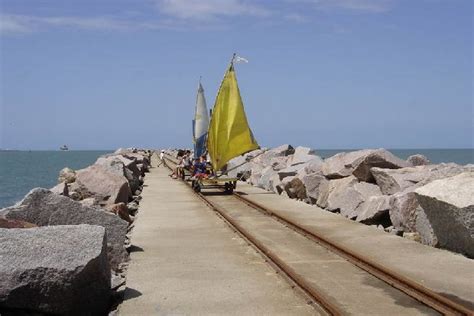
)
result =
(64, 147)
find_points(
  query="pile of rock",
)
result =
(374, 187)
(64, 250)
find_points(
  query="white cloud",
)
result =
(295, 17)
(209, 9)
(14, 24)
(367, 6)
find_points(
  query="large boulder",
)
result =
(418, 160)
(358, 163)
(290, 171)
(116, 165)
(264, 181)
(295, 189)
(404, 208)
(237, 166)
(374, 210)
(279, 163)
(58, 270)
(334, 186)
(302, 155)
(315, 184)
(348, 197)
(449, 206)
(280, 151)
(407, 215)
(99, 180)
(119, 209)
(44, 208)
(67, 175)
(392, 181)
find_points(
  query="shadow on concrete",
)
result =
(134, 248)
(130, 293)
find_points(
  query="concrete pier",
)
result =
(186, 260)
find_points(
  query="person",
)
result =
(199, 168)
(176, 171)
(162, 159)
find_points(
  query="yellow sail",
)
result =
(229, 133)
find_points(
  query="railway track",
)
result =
(309, 260)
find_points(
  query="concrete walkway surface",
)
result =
(187, 261)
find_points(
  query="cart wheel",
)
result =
(229, 187)
(197, 187)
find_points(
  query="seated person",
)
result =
(199, 168)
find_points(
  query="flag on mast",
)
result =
(200, 123)
(229, 132)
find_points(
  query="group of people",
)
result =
(198, 167)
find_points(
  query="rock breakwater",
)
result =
(64, 250)
(412, 198)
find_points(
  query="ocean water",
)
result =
(21, 171)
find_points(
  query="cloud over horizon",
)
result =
(188, 13)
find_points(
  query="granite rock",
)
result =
(449, 206)
(67, 175)
(61, 270)
(418, 160)
(359, 163)
(101, 181)
(44, 208)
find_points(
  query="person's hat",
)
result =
(162, 151)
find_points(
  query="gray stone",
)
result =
(314, 166)
(274, 183)
(237, 166)
(254, 177)
(100, 181)
(67, 175)
(295, 189)
(280, 188)
(373, 209)
(404, 208)
(392, 181)
(315, 184)
(122, 166)
(358, 163)
(264, 181)
(279, 163)
(59, 270)
(424, 228)
(290, 171)
(89, 202)
(44, 208)
(349, 197)
(335, 186)
(418, 160)
(60, 189)
(449, 206)
(280, 151)
(302, 155)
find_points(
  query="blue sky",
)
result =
(102, 74)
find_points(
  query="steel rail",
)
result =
(394, 279)
(321, 300)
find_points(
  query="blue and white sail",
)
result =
(200, 124)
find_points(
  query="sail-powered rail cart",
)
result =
(228, 136)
